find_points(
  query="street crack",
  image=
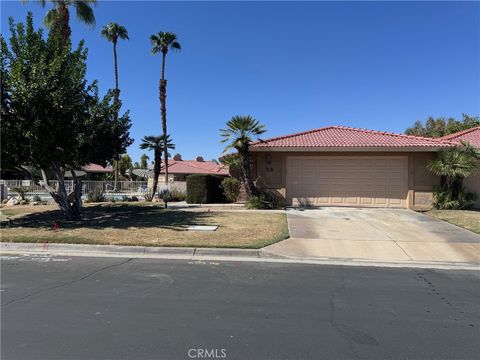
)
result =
(65, 283)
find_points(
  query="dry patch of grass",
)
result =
(467, 219)
(146, 225)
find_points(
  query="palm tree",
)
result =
(453, 165)
(239, 133)
(112, 32)
(58, 18)
(157, 144)
(144, 161)
(163, 42)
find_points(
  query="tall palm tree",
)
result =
(162, 42)
(239, 133)
(158, 145)
(58, 17)
(453, 165)
(112, 32)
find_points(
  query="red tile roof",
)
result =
(471, 136)
(196, 167)
(347, 137)
(95, 168)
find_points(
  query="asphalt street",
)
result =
(114, 308)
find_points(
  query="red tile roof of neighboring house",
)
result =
(95, 168)
(471, 136)
(196, 167)
(347, 137)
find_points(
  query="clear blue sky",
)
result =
(294, 66)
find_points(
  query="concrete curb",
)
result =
(211, 254)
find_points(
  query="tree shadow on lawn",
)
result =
(116, 216)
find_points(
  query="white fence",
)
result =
(124, 188)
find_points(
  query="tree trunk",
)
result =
(163, 111)
(156, 170)
(62, 21)
(245, 171)
(116, 96)
(71, 210)
(117, 90)
(163, 96)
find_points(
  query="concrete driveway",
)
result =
(381, 235)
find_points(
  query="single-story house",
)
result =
(471, 136)
(344, 166)
(179, 169)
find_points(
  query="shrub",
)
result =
(148, 196)
(36, 198)
(96, 196)
(21, 191)
(165, 195)
(231, 188)
(265, 200)
(204, 189)
(23, 202)
(444, 200)
(255, 202)
(177, 194)
(133, 198)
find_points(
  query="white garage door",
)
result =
(372, 181)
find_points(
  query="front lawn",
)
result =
(144, 224)
(467, 219)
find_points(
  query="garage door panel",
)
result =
(347, 181)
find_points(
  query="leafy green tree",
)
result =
(58, 18)
(125, 165)
(158, 145)
(453, 165)
(441, 126)
(239, 133)
(112, 32)
(144, 161)
(162, 42)
(61, 123)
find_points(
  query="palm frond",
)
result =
(164, 41)
(241, 131)
(113, 31)
(50, 17)
(84, 11)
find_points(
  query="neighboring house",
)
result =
(179, 169)
(343, 166)
(97, 169)
(471, 136)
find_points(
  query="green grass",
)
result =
(467, 219)
(146, 225)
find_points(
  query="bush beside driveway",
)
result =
(144, 224)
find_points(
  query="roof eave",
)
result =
(347, 149)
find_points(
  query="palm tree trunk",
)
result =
(62, 23)
(163, 111)
(117, 90)
(116, 96)
(245, 166)
(156, 170)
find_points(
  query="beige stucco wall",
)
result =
(472, 184)
(269, 169)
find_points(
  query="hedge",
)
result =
(204, 189)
